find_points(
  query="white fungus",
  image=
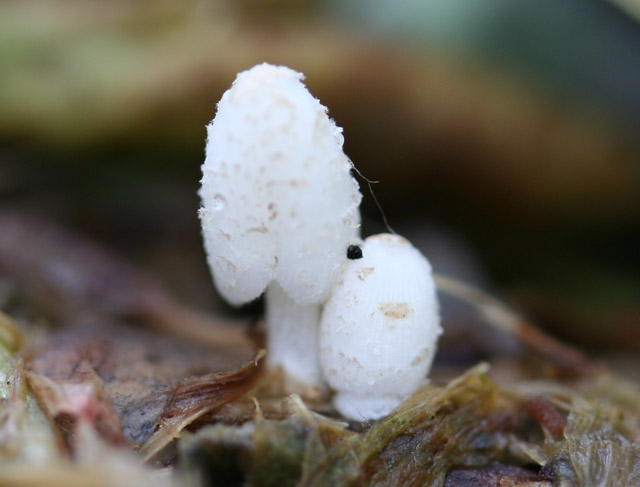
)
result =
(379, 328)
(279, 208)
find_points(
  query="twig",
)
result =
(499, 315)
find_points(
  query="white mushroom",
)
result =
(379, 328)
(279, 208)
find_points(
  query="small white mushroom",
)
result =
(279, 208)
(379, 328)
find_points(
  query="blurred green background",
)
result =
(505, 135)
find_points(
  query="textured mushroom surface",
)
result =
(379, 328)
(279, 202)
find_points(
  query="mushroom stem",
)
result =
(292, 341)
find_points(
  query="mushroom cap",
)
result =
(379, 328)
(278, 199)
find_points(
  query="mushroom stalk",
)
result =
(292, 340)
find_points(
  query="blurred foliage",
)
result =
(513, 124)
(586, 50)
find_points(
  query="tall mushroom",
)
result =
(379, 328)
(279, 209)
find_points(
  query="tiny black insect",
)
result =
(354, 252)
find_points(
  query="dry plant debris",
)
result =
(86, 402)
(469, 432)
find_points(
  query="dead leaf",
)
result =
(134, 372)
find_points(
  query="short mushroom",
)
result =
(379, 328)
(279, 208)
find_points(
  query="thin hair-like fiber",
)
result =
(370, 183)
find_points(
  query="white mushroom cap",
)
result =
(379, 328)
(279, 202)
